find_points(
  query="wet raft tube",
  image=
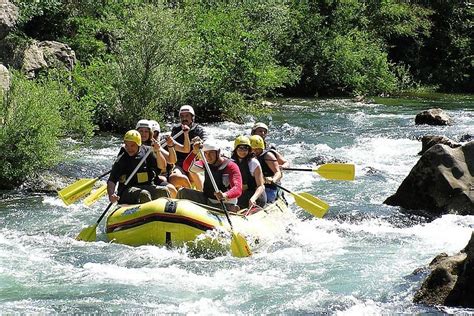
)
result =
(173, 222)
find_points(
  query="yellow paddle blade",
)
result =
(323, 205)
(88, 234)
(337, 171)
(96, 195)
(239, 247)
(317, 210)
(75, 191)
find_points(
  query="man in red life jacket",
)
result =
(226, 174)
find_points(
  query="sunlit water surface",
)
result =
(359, 259)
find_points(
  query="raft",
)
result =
(176, 223)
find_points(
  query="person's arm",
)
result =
(113, 180)
(186, 146)
(113, 197)
(272, 163)
(169, 155)
(160, 159)
(281, 160)
(235, 181)
(260, 181)
(188, 161)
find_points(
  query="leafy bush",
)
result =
(149, 66)
(93, 87)
(356, 64)
(233, 62)
(30, 129)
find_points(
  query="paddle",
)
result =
(308, 202)
(78, 189)
(89, 233)
(81, 187)
(238, 245)
(96, 195)
(334, 171)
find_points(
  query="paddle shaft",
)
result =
(279, 186)
(105, 173)
(216, 189)
(298, 169)
(125, 184)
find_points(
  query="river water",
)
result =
(359, 259)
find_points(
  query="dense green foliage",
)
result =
(143, 59)
(33, 116)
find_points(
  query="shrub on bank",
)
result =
(34, 114)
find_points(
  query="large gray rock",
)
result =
(441, 182)
(47, 54)
(451, 281)
(8, 17)
(5, 79)
(433, 117)
(430, 140)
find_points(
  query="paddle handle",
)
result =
(279, 186)
(216, 189)
(298, 169)
(105, 212)
(103, 175)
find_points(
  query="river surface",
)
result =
(359, 259)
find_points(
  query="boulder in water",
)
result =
(441, 182)
(321, 160)
(466, 138)
(429, 141)
(433, 117)
(451, 281)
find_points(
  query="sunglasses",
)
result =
(246, 148)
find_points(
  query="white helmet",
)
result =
(155, 126)
(186, 109)
(144, 123)
(260, 125)
(210, 145)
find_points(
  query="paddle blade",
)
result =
(75, 191)
(337, 171)
(88, 234)
(96, 195)
(239, 247)
(317, 209)
(323, 205)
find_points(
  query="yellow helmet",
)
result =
(133, 136)
(256, 141)
(241, 140)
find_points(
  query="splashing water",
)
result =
(358, 259)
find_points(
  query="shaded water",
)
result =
(358, 259)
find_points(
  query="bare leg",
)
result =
(179, 180)
(197, 180)
(172, 190)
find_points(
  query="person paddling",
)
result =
(162, 177)
(140, 189)
(225, 172)
(261, 129)
(253, 183)
(270, 167)
(180, 177)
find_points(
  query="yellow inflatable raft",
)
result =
(176, 223)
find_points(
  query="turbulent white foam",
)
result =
(203, 306)
(393, 156)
